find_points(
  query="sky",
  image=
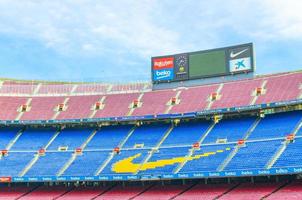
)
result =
(113, 41)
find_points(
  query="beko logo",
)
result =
(163, 74)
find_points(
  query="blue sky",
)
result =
(83, 40)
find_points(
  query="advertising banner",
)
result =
(163, 69)
(240, 59)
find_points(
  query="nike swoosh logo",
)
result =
(233, 55)
(128, 166)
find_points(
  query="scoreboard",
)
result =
(203, 64)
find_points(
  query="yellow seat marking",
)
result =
(128, 166)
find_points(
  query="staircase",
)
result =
(111, 154)
(132, 109)
(150, 153)
(37, 156)
(74, 155)
(37, 89)
(253, 101)
(171, 106)
(282, 148)
(217, 92)
(192, 150)
(22, 113)
(94, 111)
(14, 140)
(58, 112)
(74, 88)
(228, 159)
(222, 166)
(251, 129)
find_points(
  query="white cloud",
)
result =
(148, 27)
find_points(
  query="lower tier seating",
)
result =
(153, 148)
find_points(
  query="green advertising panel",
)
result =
(204, 64)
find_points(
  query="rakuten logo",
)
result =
(163, 63)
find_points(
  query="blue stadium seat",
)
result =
(292, 156)
(276, 125)
(87, 163)
(186, 133)
(230, 129)
(14, 163)
(50, 164)
(108, 137)
(71, 138)
(125, 154)
(255, 155)
(33, 139)
(208, 163)
(6, 135)
(149, 135)
(166, 154)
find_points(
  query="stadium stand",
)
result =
(249, 191)
(15, 192)
(42, 107)
(192, 99)
(78, 107)
(230, 94)
(205, 192)
(160, 148)
(46, 192)
(10, 106)
(239, 93)
(116, 105)
(86, 193)
(292, 191)
(122, 193)
(154, 103)
(161, 192)
(151, 149)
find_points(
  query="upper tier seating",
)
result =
(9, 107)
(237, 94)
(55, 88)
(78, 107)
(116, 105)
(281, 88)
(194, 99)
(42, 107)
(154, 103)
(274, 88)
